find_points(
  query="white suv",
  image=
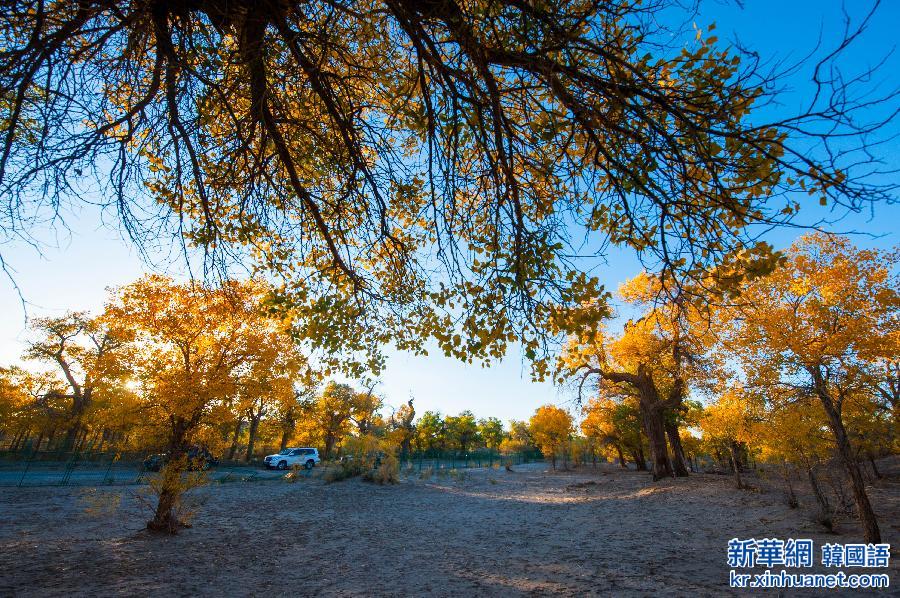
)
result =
(289, 457)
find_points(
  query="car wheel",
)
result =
(310, 464)
(282, 465)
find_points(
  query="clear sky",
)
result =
(77, 264)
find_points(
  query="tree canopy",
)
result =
(419, 170)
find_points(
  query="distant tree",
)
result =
(461, 430)
(88, 353)
(491, 432)
(403, 428)
(551, 427)
(616, 424)
(366, 406)
(431, 432)
(331, 413)
(288, 412)
(266, 379)
(518, 439)
(31, 402)
(731, 424)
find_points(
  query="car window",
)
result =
(297, 452)
(307, 451)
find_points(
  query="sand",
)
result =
(490, 532)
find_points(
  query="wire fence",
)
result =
(95, 468)
(437, 460)
(60, 468)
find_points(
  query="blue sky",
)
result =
(78, 264)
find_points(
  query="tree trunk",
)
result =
(82, 441)
(660, 466)
(789, 487)
(71, 435)
(165, 518)
(251, 440)
(637, 456)
(284, 440)
(622, 463)
(678, 460)
(80, 403)
(871, 533)
(329, 445)
(877, 473)
(735, 465)
(837, 488)
(821, 499)
(234, 438)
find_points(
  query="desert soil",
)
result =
(489, 532)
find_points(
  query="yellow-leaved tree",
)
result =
(730, 424)
(656, 360)
(822, 325)
(420, 171)
(88, 353)
(551, 428)
(616, 424)
(188, 344)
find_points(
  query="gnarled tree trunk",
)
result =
(165, 518)
(678, 459)
(660, 466)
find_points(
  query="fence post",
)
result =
(27, 466)
(140, 475)
(106, 478)
(69, 467)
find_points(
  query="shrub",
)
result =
(458, 474)
(340, 472)
(369, 457)
(386, 472)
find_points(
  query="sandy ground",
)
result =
(491, 532)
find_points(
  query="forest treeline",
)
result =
(169, 364)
